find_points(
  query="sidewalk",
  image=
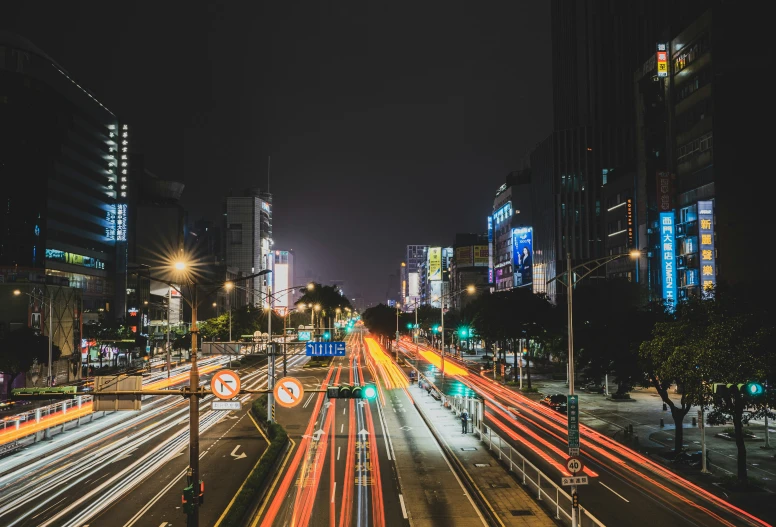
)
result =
(512, 505)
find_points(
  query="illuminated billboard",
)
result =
(434, 263)
(280, 277)
(463, 257)
(481, 255)
(414, 288)
(490, 250)
(522, 256)
(706, 235)
(662, 60)
(667, 258)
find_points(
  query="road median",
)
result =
(253, 490)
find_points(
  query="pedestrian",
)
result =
(464, 421)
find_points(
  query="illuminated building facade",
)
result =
(64, 194)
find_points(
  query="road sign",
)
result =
(574, 480)
(225, 384)
(288, 392)
(325, 349)
(226, 405)
(700, 419)
(574, 465)
(305, 335)
(573, 427)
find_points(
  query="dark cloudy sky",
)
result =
(388, 123)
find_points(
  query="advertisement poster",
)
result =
(434, 263)
(463, 257)
(522, 251)
(706, 234)
(481, 255)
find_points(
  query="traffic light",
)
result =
(463, 332)
(575, 500)
(345, 391)
(409, 326)
(436, 329)
(187, 499)
(369, 392)
(326, 335)
(753, 390)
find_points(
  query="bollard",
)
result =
(694, 422)
(662, 424)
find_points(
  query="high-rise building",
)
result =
(511, 210)
(283, 278)
(701, 201)
(248, 227)
(593, 141)
(64, 169)
(415, 258)
(468, 265)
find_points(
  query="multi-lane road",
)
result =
(626, 487)
(128, 468)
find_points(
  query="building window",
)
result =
(691, 53)
(235, 234)
(695, 147)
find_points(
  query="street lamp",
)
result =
(470, 289)
(18, 292)
(580, 272)
(229, 286)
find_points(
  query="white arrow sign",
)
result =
(317, 434)
(363, 432)
(235, 455)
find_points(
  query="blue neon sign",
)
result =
(668, 256)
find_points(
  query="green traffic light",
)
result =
(370, 392)
(409, 326)
(463, 332)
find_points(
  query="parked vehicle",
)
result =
(556, 401)
(691, 458)
(594, 387)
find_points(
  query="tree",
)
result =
(610, 323)
(21, 349)
(671, 356)
(733, 338)
(381, 321)
(329, 298)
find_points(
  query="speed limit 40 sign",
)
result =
(574, 465)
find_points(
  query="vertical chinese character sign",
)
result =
(667, 259)
(662, 60)
(706, 239)
(490, 249)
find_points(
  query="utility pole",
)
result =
(51, 338)
(194, 395)
(169, 328)
(270, 359)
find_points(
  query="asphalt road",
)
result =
(341, 471)
(128, 468)
(628, 488)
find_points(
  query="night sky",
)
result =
(388, 123)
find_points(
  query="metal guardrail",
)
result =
(542, 486)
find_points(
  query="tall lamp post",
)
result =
(470, 289)
(571, 277)
(50, 303)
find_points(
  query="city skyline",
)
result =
(449, 105)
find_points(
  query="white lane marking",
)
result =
(333, 492)
(618, 495)
(338, 452)
(163, 524)
(403, 508)
(343, 411)
(342, 428)
(307, 402)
